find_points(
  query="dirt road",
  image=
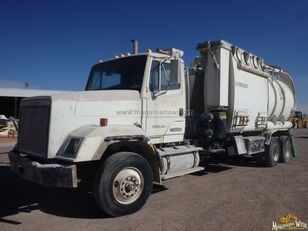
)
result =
(227, 196)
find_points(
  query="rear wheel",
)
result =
(286, 149)
(272, 152)
(123, 184)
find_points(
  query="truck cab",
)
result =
(130, 104)
(159, 80)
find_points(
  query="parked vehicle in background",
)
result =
(144, 118)
(299, 120)
(8, 127)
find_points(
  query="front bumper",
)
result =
(54, 175)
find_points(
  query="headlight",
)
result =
(72, 147)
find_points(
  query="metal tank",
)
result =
(281, 101)
(252, 94)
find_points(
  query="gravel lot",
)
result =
(227, 196)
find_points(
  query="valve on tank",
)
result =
(202, 125)
(219, 123)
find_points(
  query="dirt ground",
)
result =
(5, 140)
(231, 195)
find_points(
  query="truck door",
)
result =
(165, 101)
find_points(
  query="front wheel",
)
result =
(123, 184)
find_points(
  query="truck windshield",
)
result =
(123, 73)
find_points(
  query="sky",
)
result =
(52, 44)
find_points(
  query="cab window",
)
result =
(164, 76)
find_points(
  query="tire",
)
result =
(286, 149)
(272, 153)
(11, 133)
(123, 184)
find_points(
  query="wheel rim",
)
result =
(276, 153)
(288, 150)
(128, 185)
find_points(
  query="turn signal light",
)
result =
(103, 122)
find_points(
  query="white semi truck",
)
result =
(144, 118)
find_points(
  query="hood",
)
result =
(99, 103)
(104, 95)
(71, 111)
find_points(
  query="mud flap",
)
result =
(294, 149)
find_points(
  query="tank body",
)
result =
(254, 95)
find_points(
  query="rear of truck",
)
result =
(249, 102)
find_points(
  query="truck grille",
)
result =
(33, 131)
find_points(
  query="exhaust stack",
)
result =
(135, 46)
